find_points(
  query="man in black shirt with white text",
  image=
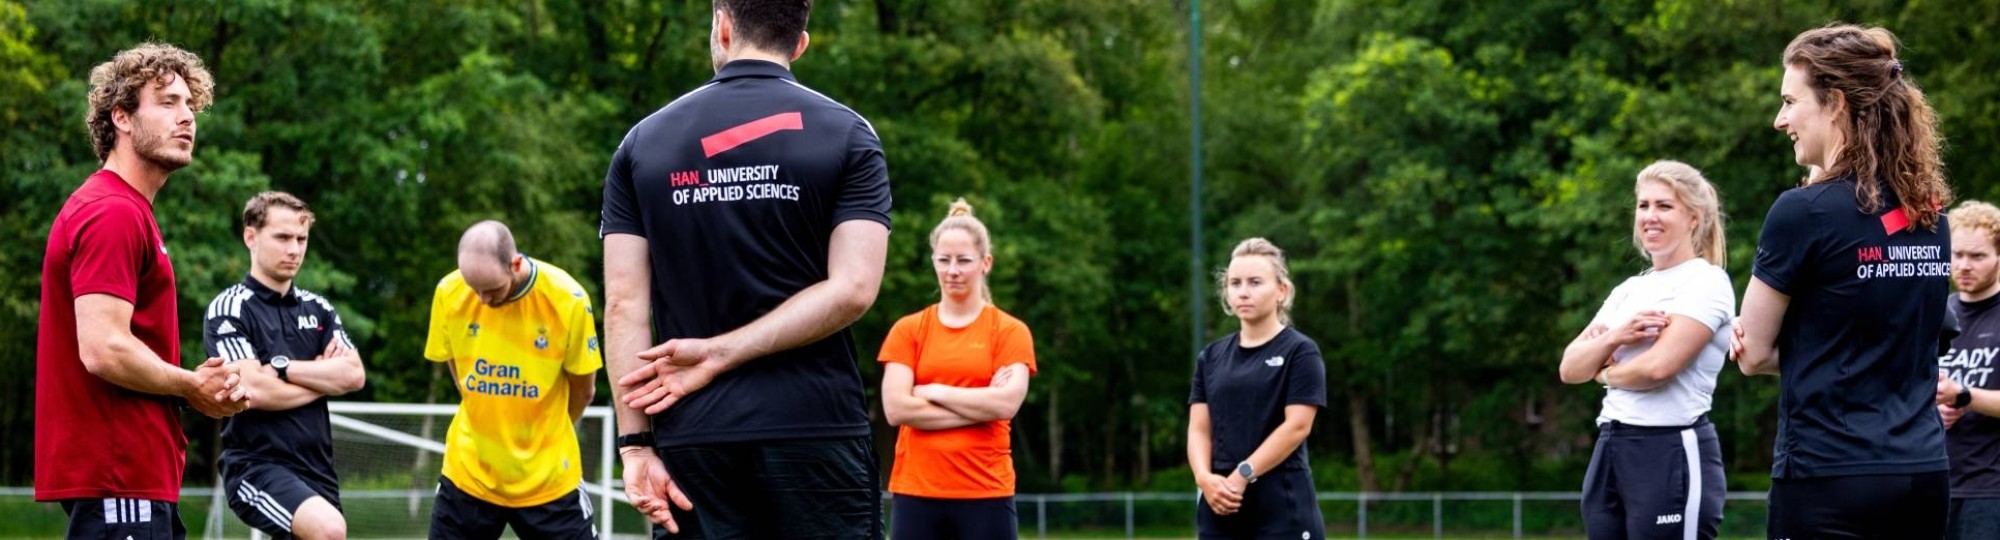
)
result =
(1968, 393)
(747, 222)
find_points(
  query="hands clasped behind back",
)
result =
(673, 371)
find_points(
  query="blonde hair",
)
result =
(959, 218)
(1259, 247)
(1697, 194)
(1976, 215)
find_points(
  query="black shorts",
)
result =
(1654, 482)
(1900, 506)
(121, 519)
(266, 495)
(1973, 518)
(923, 518)
(458, 515)
(813, 488)
(1280, 505)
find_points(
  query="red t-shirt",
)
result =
(94, 439)
(971, 462)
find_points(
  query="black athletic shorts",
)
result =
(460, 516)
(1280, 505)
(122, 519)
(265, 496)
(925, 518)
(1974, 518)
(789, 489)
(1876, 506)
(1648, 482)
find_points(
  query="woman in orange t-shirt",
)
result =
(952, 376)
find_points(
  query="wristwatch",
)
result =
(1247, 472)
(280, 363)
(643, 438)
(1964, 397)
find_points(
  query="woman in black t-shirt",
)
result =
(1253, 400)
(1848, 272)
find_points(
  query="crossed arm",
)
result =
(1586, 355)
(1679, 341)
(335, 372)
(933, 407)
(1755, 346)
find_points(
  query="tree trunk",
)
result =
(1426, 447)
(886, 19)
(1110, 467)
(1145, 471)
(1055, 428)
(1364, 442)
(1357, 404)
(417, 476)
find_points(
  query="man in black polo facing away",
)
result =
(290, 351)
(748, 220)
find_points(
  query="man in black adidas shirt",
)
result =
(748, 221)
(290, 352)
(1968, 393)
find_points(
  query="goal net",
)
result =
(389, 457)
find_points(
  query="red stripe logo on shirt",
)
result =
(1895, 220)
(726, 139)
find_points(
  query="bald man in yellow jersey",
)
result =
(519, 336)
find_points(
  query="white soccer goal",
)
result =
(389, 457)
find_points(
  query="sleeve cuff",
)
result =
(608, 230)
(1774, 282)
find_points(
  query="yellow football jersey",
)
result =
(513, 443)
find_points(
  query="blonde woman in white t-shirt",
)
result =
(1656, 347)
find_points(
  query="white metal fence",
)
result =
(1155, 515)
(1440, 521)
(377, 434)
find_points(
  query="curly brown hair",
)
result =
(1890, 129)
(115, 85)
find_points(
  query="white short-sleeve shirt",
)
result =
(1695, 289)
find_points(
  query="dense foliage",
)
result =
(1452, 179)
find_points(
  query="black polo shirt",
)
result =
(1858, 344)
(737, 187)
(251, 321)
(1247, 389)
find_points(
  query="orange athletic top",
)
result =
(971, 462)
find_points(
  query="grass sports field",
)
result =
(24, 518)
